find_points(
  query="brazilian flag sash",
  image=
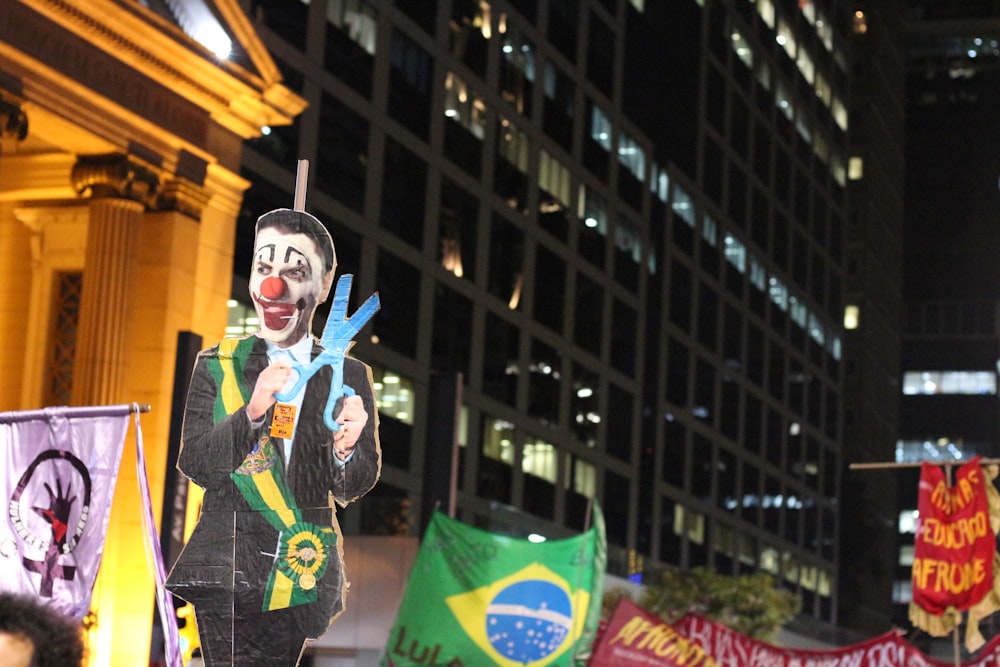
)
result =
(304, 548)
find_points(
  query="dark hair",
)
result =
(56, 638)
(300, 222)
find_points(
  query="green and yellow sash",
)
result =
(304, 548)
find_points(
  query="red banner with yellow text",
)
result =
(638, 638)
(953, 551)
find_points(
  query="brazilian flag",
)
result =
(477, 598)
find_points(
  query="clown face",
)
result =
(287, 282)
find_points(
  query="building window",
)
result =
(594, 214)
(394, 394)
(471, 29)
(62, 342)
(498, 440)
(553, 179)
(517, 67)
(852, 317)
(736, 253)
(539, 458)
(584, 405)
(779, 293)
(860, 23)
(557, 116)
(682, 205)
(410, 84)
(949, 382)
(459, 219)
(241, 320)
(855, 168)
(357, 19)
(342, 164)
(506, 271)
(464, 107)
(631, 155)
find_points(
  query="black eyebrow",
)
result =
(288, 255)
(269, 246)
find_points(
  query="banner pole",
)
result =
(916, 464)
(301, 182)
(74, 412)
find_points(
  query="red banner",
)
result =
(953, 551)
(729, 648)
(636, 637)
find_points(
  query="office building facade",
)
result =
(951, 339)
(624, 227)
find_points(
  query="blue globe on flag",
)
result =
(529, 620)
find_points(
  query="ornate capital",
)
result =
(116, 176)
(13, 121)
(180, 194)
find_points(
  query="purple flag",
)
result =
(59, 467)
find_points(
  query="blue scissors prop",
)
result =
(336, 340)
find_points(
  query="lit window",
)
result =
(710, 230)
(463, 106)
(682, 205)
(902, 591)
(593, 210)
(839, 113)
(394, 394)
(778, 292)
(241, 319)
(357, 18)
(906, 555)
(949, 382)
(855, 168)
(498, 440)
(860, 23)
(581, 476)
(553, 177)
(822, 89)
(631, 155)
(908, 522)
(736, 253)
(785, 38)
(627, 241)
(766, 10)
(852, 317)
(799, 311)
(805, 64)
(539, 459)
(660, 183)
(742, 48)
(758, 275)
(600, 128)
(514, 145)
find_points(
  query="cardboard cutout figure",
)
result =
(276, 427)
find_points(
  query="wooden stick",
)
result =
(916, 464)
(301, 182)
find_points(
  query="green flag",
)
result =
(476, 598)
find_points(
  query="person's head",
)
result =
(34, 635)
(293, 267)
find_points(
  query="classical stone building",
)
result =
(122, 127)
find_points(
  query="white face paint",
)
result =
(287, 282)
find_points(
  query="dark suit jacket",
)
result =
(226, 562)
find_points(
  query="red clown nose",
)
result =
(272, 288)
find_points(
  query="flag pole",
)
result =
(301, 182)
(74, 412)
(914, 464)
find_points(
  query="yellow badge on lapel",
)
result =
(283, 421)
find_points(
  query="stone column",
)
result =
(118, 191)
